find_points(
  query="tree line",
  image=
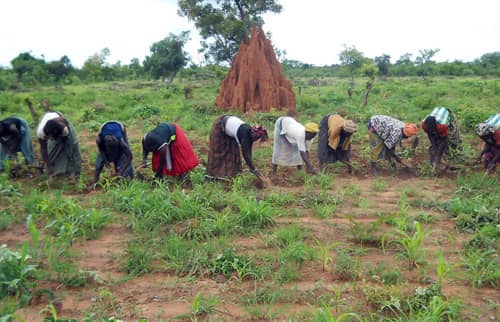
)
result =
(223, 25)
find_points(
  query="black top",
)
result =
(161, 134)
(244, 135)
(10, 129)
(10, 125)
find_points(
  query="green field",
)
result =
(332, 247)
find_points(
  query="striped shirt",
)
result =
(494, 122)
(442, 115)
(388, 129)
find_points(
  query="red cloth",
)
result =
(183, 157)
(497, 137)
(442, 129)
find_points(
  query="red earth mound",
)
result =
(256, 81)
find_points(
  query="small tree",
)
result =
(352, 59)
(369, 70)
(167, 57)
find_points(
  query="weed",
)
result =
(386, 275)
(228, 264)
(16, 274)
(138, 257)
(297, 252)
(485, 238)
(346, 266)
(201, 307)
(366, 234)
(254, 214)
(379, 185)
(482, 267)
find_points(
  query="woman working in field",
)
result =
(15, 137)
(489, 132)
(292, 143)
(442, 129)
(113, 147)
(385, 133)
(230, 134)
(59, 145)
(334, 140)
(173, 154)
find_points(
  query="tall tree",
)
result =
(94, 67)
(224, 24)
(383, 62)
(27, 66)
(167, 57)
(424, 61)
(60, 68)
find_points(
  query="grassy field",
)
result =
(334, 247)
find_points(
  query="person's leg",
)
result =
(377, 148)
(275, 169)
(26, 146)
(3, 156)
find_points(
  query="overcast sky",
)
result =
(312, 31)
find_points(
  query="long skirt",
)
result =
(379, 149)
(70, 160)
(224, 159)
(184, 158)
(284, 152)
(325, 153)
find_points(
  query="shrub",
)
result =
(145, 111)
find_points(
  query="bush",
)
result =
(145, 111)
(472, 116)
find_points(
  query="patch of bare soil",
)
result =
(163, 296)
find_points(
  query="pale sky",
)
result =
(312, 31)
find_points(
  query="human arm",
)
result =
(245, 138)
(307, 161)
(494, 160)
(43, 151)
(162, 151)
(145, 153)
(483, 151)
(128, 157)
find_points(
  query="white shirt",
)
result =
(295, 133)
(233, 123)
(46, 117)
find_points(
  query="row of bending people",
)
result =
(173, 154)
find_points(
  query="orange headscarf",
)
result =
(410, 129)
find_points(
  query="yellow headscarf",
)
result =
(312, 127)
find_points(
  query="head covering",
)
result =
(350, 126)
(258, 132)
(312, 127)
(483, 129)
(410, 129)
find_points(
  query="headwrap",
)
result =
(350, 126)
(483, 129)
(258, 132)
(410, 129)
(312, 127)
